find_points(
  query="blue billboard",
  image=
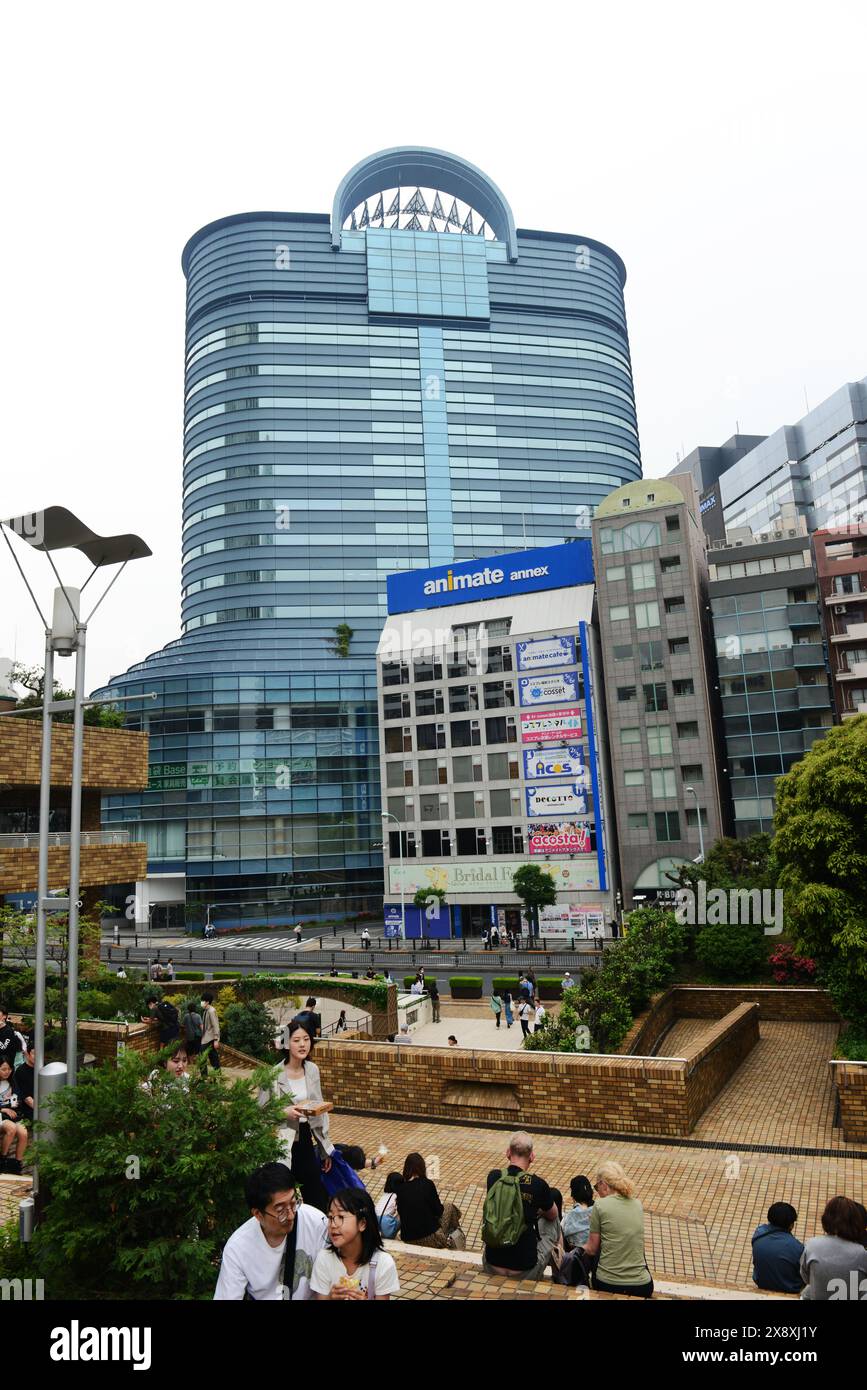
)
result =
(496, 576)
(554, 762)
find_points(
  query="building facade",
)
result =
(772, 664)
(405, 383)
(651, 575)
(492, 743)
(840, 558)
(818, 466)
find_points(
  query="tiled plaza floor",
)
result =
(702, 1204)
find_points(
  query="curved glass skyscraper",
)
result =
(406, 382)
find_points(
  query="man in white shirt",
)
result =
(568, 982)
(271, 1256)
(539, 1018)
(404, 1036)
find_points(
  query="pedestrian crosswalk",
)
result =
(255, 943)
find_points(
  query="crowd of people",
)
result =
(16, 1095)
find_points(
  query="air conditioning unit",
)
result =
(839, 608)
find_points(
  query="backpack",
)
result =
(503, 1219)
(167, 1015)
(192, 1026)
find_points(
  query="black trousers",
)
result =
(525, 1028)
(308, 1170)
(636, 1290)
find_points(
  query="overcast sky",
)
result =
(719, 150)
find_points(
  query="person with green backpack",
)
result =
(521, 1216)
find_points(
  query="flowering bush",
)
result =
(789, 969)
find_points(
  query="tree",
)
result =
(423, 899)
(339, 644)
(536, 889)
(143, 1186)
(820, 845)
(32, 678)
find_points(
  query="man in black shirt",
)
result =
(528, 1258)
(311, 1020)
(22, 1084)
(10, 1039)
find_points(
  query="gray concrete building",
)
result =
(651, 573)
(774, 683)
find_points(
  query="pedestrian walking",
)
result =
(486, 938)
(524, 1016)
(506, 996)
(341, 1025)
(568, 982)
(170, 969)
(210, 1031)
(365, 938)
(193, 1028)
(497, 1006)
(298, 933)
(539, 1017)
(434, 996)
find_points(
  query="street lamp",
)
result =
(50, 530)
(698, 818)
(386, 815)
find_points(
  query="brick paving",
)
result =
(782, 1094)
(702, 1204)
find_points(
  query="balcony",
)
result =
(855, 632)
(62, 838)
(814, 697)
(858, 671)
(113, 759)
(859, 595)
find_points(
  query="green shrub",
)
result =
(852, 1044)
(466, 986)
(221, 975)
(251, 1029)
(103, 1235)
(189, 974)
(732, 951)
(848, 993)
(94, 1003)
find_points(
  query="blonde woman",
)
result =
(617, 1235)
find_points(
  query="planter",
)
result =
(465, 987)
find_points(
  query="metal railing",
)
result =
(305, 961)
(89, 838)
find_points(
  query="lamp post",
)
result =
(55, 528)
(698, 818)
(386, 815)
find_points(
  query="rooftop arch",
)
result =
(432, 168)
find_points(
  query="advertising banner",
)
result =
(553, 725)
(548, 690)
(566, 837)
(478, 879)
(555, 762)
(519, 572)
(571, 920)
(545, 651)
(567, 798)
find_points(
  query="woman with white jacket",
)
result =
(306, 1144)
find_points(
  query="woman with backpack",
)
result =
(571, 1264)
(386, 1207)
(193, 1028)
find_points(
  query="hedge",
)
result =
(409, 981)
(190, 975)
(466, 986)
(219, 975)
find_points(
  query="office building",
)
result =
(841, 573)
(407, 382)
(818, 466)
(774, 690)
(651, 575)
(492, 743)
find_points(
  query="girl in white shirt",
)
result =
(353, 1266)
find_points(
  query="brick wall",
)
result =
(101, 1039)
(542, 1090)
(850, 1078)
(114, 759)
(100, 864)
